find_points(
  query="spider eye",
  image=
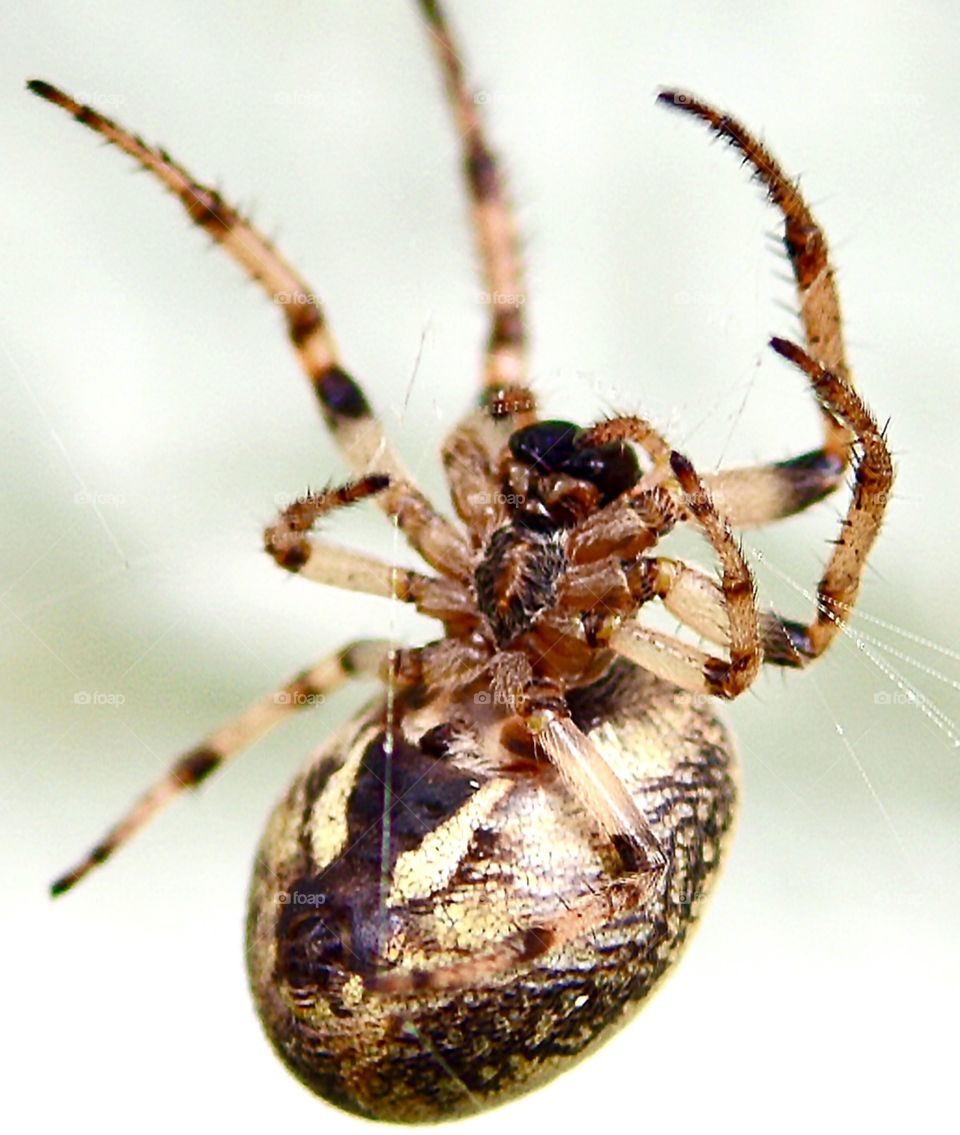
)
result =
(551, 447)
(613, 468)
(547, 446)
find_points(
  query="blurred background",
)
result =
(153, 419)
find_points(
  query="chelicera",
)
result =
(492, 865)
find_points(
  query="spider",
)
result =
(497, 860)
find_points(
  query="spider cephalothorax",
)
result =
(496, 861)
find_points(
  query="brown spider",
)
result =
(479, 874)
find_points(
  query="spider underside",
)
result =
(400, 968)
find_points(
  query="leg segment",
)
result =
(289, 541)
(757, 494)
(505, 376)
(697, 601)
(593, 782)
(345, 408)
(307, 689)
(689, 667)
(872, 482)
(754, 496)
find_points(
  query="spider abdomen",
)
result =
(440, 968)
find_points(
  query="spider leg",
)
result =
(872, 482)
(756, 495)
(289, 542)
(633, 429)
(699, 602)
(672, 659)
(589, 777)
(695, 598)
(505, 380)
(323, 562)
(475, 490)
(345, 408)
(307, 689)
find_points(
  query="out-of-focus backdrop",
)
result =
(153, 418)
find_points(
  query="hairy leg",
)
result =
(752, 496)
(505, 379)
(305, 690)
(345, 408)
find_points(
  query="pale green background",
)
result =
(822, 990)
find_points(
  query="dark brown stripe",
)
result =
(340, 395)
(87, 116)
(505, 401)
(715, 673)
(738, 588)
(303, 320)
(507, 329)
(806, 248)
(44, 89)
(98, 855)
(206, 208)
(290, 552)
(481, 167)
(64, 883)
(785, 642)
(432, 12)
(806, 479)
(197, 765)
(685, 474)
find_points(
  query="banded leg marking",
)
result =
(505, 382)
(872, 481)
(360, 659)
(676, 661)
(345, 408)
(756, 495)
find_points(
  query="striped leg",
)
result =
(345, 408)
(688, 666)
(505, 380)
(697, 600)
(873, 479)
(307, 689)
(590, 779)
(634, 429)
(289, 542)
(752, 496)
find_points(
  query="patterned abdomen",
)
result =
(484, 936)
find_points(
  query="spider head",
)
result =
(555, 479)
